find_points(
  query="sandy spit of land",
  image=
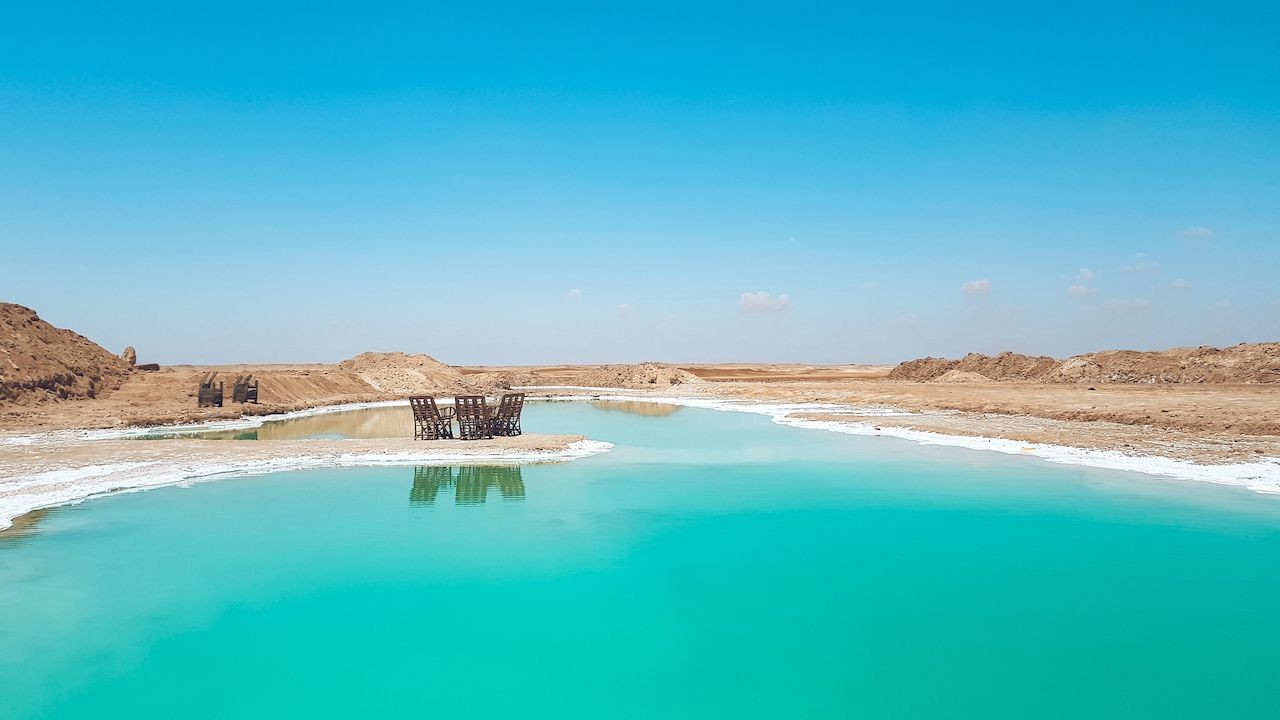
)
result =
(1200, 423)
(1197, 423)
(59, 469)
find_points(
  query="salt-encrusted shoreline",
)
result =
(55, 468)
(1262, 475)
(40, 475)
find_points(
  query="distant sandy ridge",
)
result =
(1206, 404)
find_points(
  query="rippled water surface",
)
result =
(712, 565)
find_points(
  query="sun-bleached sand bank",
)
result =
(44, 471)
(1199, 423)
(1172, 459)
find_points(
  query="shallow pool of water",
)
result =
(375, 422)
(713, 565)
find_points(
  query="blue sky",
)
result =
(517, 184)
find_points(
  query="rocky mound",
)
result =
(1244, 363)
(922, 369)
(505, 379)
(646, 374)
(961, 376)
(1006, 366)
(404, 374)
(39, 362)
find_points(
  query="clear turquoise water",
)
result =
(713, 565)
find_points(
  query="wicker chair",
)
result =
(506, 422)
(429, 423)
(474, 422)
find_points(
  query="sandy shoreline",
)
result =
(1261, 475)
(1203, 424)
(1232, 420)
(1200, 423)
(47, 469)
(57, 469)
(51, 453)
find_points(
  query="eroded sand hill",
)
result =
(638, 375)
(403, 373)
(40, 363)
(645, 375)
(1239, 364)
(55, 378)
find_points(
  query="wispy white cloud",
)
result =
(1222, 304)
(1196, 232)
(573, 294)
(624, 309)
(1081, 291)
(1085, 275)
(976, 288)
(763, 302)
(1180, 284)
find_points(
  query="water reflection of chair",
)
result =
(471, 483)
(509, 481)
(472, 488)
(428, 482)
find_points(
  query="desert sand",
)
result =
(72, 455)
(1204, 422)
(1203, 404)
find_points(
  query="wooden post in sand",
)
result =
(209, 395)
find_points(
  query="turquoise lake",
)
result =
(713, 564)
